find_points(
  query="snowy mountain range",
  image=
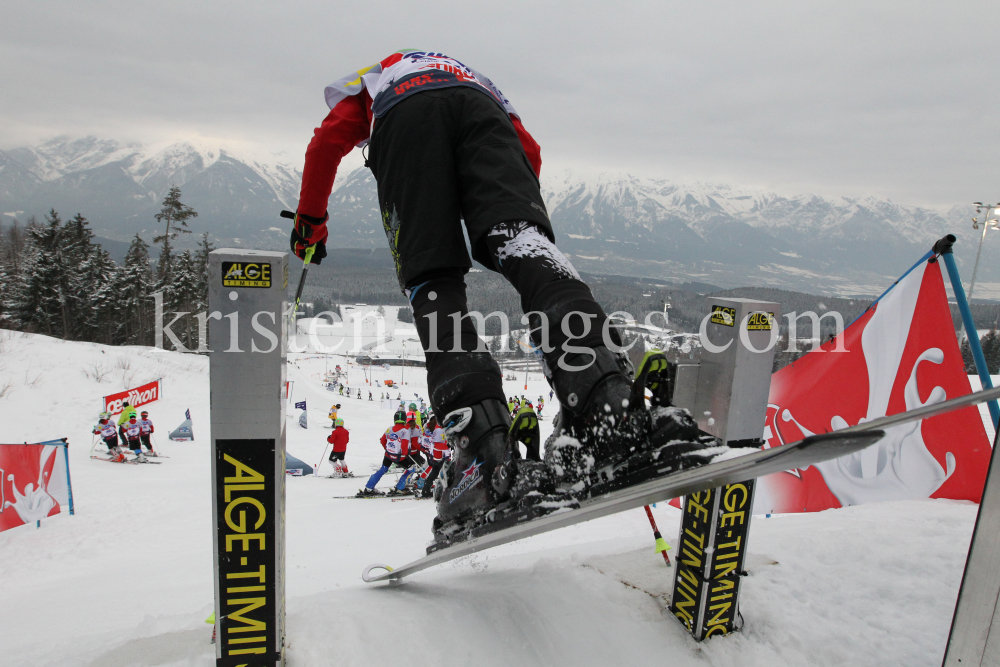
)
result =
(608, 222)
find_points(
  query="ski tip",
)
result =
(367, 576)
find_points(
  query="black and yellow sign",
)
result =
(724, 316)
(247, 550)
(760, 321)
(246, 274)
(710, 561)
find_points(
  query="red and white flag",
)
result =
(901, 354)
(34, 483)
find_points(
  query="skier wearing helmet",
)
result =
(447, 146)
(396, 443)
(339, 438)
(145, 431)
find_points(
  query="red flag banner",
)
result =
(901, 354)
(34, 483)
(146, 393)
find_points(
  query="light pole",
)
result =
(402, 377)
(987, 224)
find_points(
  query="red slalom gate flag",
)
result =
(34, 483)
(141, 395)
(901, 354)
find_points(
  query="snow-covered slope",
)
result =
(128, 580)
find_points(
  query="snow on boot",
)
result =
(595, 428)
(140, 457)
(478, 437)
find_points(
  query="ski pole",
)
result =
(316, 467)
(305, 266)
(661, 544)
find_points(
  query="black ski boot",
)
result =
(675, 442)
(477, 436)
(610, 439)
(597, 427)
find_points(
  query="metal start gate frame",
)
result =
(247, 329)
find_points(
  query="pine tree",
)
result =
(183, 296)
(132, 286)
(174, 216)
(991, 350)
(38, 303)
(201, 266)
(970, 363)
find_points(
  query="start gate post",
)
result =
(248, 341)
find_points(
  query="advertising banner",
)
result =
(34, 483)
(142, 395)
(901, 354)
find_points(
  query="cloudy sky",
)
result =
(889, 98)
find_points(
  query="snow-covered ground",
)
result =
(128, 580)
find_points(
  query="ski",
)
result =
(101, 458)
(392, 498)
(801, 454)
(529, 522)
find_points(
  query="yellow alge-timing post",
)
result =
(727, 394)
(247, 344)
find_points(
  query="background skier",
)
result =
(339, 438)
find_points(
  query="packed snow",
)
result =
(128, 579)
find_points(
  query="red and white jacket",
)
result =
(339, 438)
(358, 99)
(396, 442)
(145, 426)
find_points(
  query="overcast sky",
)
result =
(896, 99)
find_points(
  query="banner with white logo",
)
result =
(34, 483)
(147, 393)
(901, 354)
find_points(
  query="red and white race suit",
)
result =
(145, 426)
(132, 430)
(107, 430)
(439, 445)
(396, 441)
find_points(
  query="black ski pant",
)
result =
(448, 156)
(134, 444)
(145, 442)
(432, 475)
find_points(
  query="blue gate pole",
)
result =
(943, 247)
(69, 481)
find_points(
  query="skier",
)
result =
(447, 146)
(333, 413)
(131, 431)
(127, 412)
(415, 415)
(109, 434)
(341, 390)
(396, 443)
(339, 438)
(146, 431)
(370, 396)
(359, 393)
(437, 454)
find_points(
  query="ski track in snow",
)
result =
(128, 580)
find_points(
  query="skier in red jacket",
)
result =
(339, 438)
(446, 146)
